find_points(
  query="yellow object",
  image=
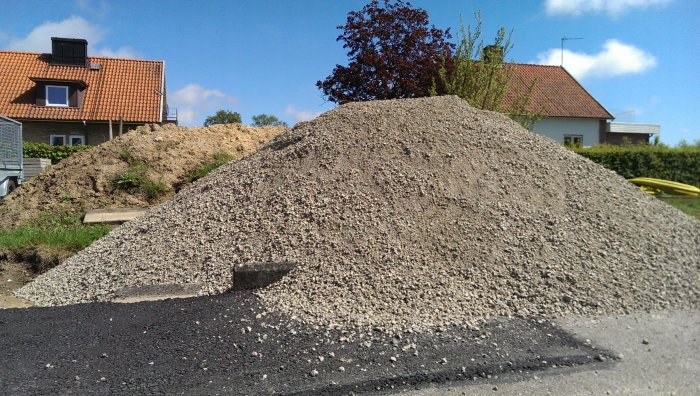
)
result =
(652, 186)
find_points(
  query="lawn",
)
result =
(49, 240)
(689, 205)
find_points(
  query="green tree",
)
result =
(481, 76)
(223, 117)
(261, 120)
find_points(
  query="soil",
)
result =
(84, 181)
(13, 276)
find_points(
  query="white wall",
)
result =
(556, 128)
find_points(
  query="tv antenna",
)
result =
(562, 46)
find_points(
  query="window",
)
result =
(573, 140)
(56, 96)
(73, 140)
(76, 140)
(57, 140)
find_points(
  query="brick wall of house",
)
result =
(95, 133)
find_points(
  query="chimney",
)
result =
(69, 52)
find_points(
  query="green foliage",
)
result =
(218, 159)
(223, 117)
(72, 239)
(129, 180)
(481, 76)
(262, 120)
(680, 164)
(54, 153)
(50, 238)
(136, 180)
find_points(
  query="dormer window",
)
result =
(57, 95)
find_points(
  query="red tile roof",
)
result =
(556, 93)
(129, 89)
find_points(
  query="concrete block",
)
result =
(256, 275)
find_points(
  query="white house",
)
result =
(573, 116)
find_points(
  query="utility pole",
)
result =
(562, 46)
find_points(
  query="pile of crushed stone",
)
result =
(406, 214)
(84, 180)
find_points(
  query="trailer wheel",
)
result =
(11, 186)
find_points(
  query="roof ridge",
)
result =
(125, 59)
(89, 56)
(536, 64)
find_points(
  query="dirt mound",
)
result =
(411, 213)
(167, 153)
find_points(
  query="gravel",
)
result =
(406, 214)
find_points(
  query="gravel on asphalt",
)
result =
(406, 214)
(231, 344)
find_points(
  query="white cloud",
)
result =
(611, 7)
(194, 102)
(615, 59)
(39, 39)
(186, 116)
(301, 115)
(123, 52)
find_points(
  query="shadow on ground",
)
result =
(230, 344)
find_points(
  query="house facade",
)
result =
(69, 98)
(571, 114)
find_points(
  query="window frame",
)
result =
(64, 87)
(572, 141)
(52, 136)
(82, 140)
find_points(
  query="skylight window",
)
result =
(56, 96)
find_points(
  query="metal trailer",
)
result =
(11, 161)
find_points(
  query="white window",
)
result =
(76, 140)
(57, 140)
(73, 140)
(573, 140)
(56, 96)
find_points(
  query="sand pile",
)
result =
(410, 213)
(85, 180)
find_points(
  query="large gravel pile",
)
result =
(418, 213)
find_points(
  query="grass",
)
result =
(136, 180)
(50, 239)
(218, 159)
(690, 206)
(71, 239)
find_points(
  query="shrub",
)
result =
(680, 164)
(54, 153)
(136, 180)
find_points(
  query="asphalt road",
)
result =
(661, 356)
(229, 344)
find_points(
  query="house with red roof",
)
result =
(571, 114)
(69, 98)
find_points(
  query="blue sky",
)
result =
(639, 58)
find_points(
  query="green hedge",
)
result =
(681, 164)
(54, 153)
